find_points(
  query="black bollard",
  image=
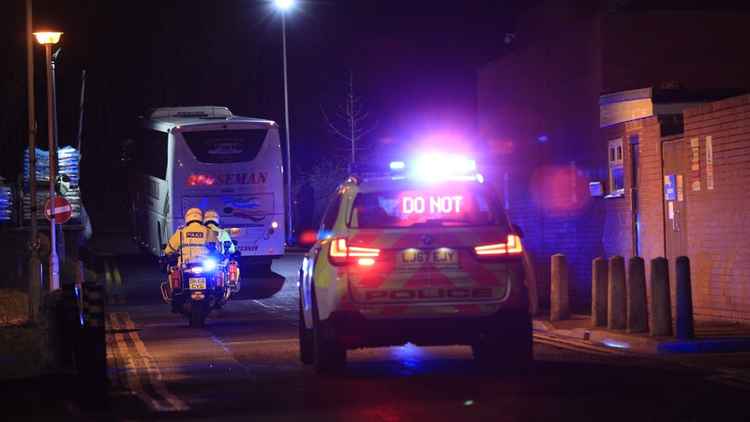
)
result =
(616, 302)
(636, 293)
(660, 311)
(599, 292)
(684, 297)
(559, 300)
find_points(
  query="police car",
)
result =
(422, 253)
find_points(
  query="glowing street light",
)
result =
(284, 6)
(48, 39)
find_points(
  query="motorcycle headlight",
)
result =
(209, 264)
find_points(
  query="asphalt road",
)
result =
(244, 366)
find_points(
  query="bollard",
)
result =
(636, 296)
(559, 297)
(91, 352)
(530, 275)
(684, 328)
(660, 311)
(616, 302)
(599, 292)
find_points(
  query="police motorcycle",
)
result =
(201, 285)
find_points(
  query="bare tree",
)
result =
(351, 121)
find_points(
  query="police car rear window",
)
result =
(441, 206)
(225, 146)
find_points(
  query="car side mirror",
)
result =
(323, 234)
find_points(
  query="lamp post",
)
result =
(48, 39)
(284, 6)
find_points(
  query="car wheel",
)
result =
(328, 356)
(508, 348)
(306, 341)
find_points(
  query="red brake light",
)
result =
(340, 253)
(200, 180)
(511, 247)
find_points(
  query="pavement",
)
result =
(711, 336)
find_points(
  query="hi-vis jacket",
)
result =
(190, 240)
(223, 236)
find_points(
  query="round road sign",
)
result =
(61, 211)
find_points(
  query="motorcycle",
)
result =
(199, 286)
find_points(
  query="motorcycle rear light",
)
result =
(175, 279)
(511, 247)
(200, 180)
(340, 253)
(234, 272)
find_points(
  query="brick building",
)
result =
(539, 112)
(676, 170)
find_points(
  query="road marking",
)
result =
(271, 307)
(125, 365)
(267, 341)
(142, 375)
(153, 370)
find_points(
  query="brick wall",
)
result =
(718, 227)
(562, 59)
(618, 224)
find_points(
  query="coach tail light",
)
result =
(340, 253)
(200, 180)
(511, 247)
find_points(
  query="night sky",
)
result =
(413, 64)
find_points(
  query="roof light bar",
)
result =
(437, 167)
(397, 165)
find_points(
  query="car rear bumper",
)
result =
(353, 330)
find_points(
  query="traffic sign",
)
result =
(61, 211)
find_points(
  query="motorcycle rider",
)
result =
(191, 240)
(211, 220)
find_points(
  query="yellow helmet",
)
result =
(193, 214)
(211, 216)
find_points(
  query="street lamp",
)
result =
(48, 39)
(284, 6)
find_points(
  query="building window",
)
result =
(616, 169)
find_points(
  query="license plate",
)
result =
(436, 257)
(198, 283)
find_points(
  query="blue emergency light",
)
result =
(431, 167)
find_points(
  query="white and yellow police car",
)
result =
(422, 253)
